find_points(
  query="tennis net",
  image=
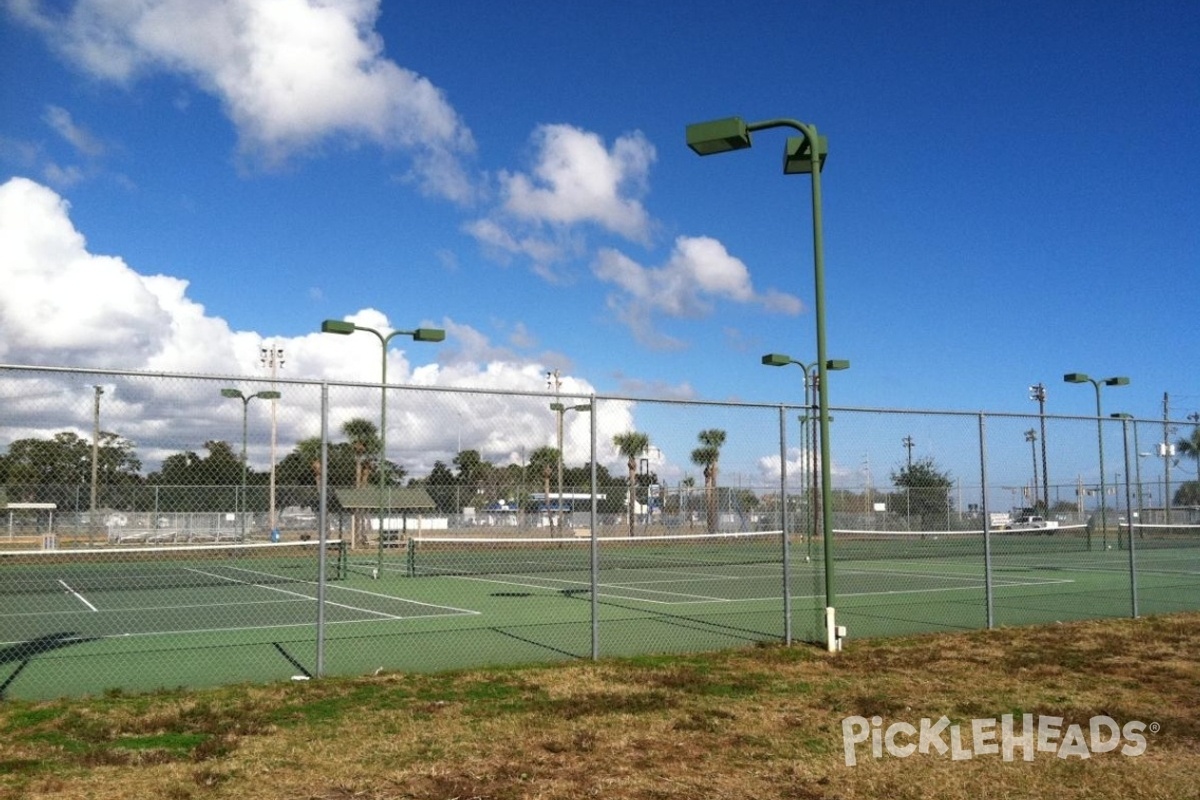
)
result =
(180, 567)
(1150, 536)
(475, 556)
(876, 545)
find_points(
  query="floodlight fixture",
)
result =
(343, 327)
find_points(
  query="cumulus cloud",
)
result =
(65, 306)
(698, 273)
(291, 74)
(575, 183)
(577, 179)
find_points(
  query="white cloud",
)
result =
(575, 182)
(577, 179)
(698, 273)
(291, 74)
(63, 306)
(61, 122)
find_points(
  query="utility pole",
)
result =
(1038, 392)
(99, 390)
(553, 381)
(1031, 437)
(272, 358)
(908, 443)
(1167, 451)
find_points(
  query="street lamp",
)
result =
(560, 410)
(344, 328)
(1080, 377)
(804, 154)
(237, 393)
(811, 389)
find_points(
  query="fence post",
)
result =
(1133, 591)
(322, 533)
(594, 549)
(989, 601)
(787, 557)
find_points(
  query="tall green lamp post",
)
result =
(1080, 377)
(804, 154)
(418, 335)
(237, 393)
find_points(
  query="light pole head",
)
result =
(1076, 377)
(428, 335)
(557, 407)
(837, 363)
(337, 326)
(1121, 415)
(1118, 381)
(718, 136)
(268, 395)
(776, 360)
(798, 157)
(232, 393)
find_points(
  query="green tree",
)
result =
(367, 447)
(56, 470)
(631, 444)
(442, 487)
(1189, 447)
(708, 457)
(925, 492)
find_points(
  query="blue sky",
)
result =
(1011, 193)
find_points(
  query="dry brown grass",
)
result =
(757, 723)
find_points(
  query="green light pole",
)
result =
(237, 393)
(1080, 377)
(810, 385)
(803, 154)
(418, 335)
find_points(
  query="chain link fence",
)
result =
(163, 530)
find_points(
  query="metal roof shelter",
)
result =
(395, 498)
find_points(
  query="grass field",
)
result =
(763, 721)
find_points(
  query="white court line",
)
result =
(290, 593)
(341, 588)
(78, 596)
(604, 594)
(706, 599)
(183, 631)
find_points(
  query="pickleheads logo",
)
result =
(988, 737)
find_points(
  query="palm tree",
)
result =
(631, 444)
(1190, 447)
(708, 456)
(542, 461)
(367, 446)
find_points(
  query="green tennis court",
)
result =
(136, 619)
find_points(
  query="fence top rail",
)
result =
(594, 396)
